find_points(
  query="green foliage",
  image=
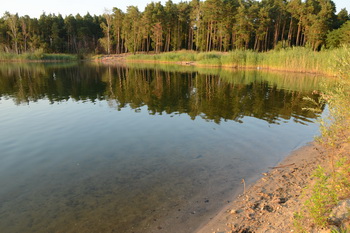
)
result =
(342, 17)
(329, 187)
(323, 197)
(339, 37)
(342, 177)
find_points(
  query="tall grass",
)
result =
(178, 56)
(298, 59)
(37, 55)
(59, 57)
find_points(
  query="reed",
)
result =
(296, 59)
(178, 56)
(37, 55)
(59, 57)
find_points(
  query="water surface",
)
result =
(90, 148)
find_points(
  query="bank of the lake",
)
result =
(296, 59)
(38, 56)
(271, 203)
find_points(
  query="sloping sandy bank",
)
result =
(269, 204)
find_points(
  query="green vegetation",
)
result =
(330, 186)
(331, 183)
(339, 36)
(297, 59)
(180, 56)
(37, 55)
(58, 57)
(202, 26)
(323, 197)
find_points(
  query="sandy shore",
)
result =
(269, 204)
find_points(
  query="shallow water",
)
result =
(89, 148)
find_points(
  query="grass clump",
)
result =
(324, 194)
(323, 197)
(211, 59)
(59, 57)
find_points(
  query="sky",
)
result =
(34, 8)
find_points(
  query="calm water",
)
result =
(88, 148)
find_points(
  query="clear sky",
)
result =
(34, 8)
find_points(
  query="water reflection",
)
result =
(212, 94)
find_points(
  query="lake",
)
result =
(139, 148)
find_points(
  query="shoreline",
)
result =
(122, 58)
(36, 61)
(269, 203)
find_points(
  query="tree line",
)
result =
(219, 25)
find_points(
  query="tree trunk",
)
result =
(298, 33)
(276, 34)
(148, 43)
(266, 39)
(207, 42)
(256, 43)
(283, 28)
(290, 31)
(169, 39)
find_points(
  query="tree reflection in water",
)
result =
(213, 94)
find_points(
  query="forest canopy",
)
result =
(219, 25)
